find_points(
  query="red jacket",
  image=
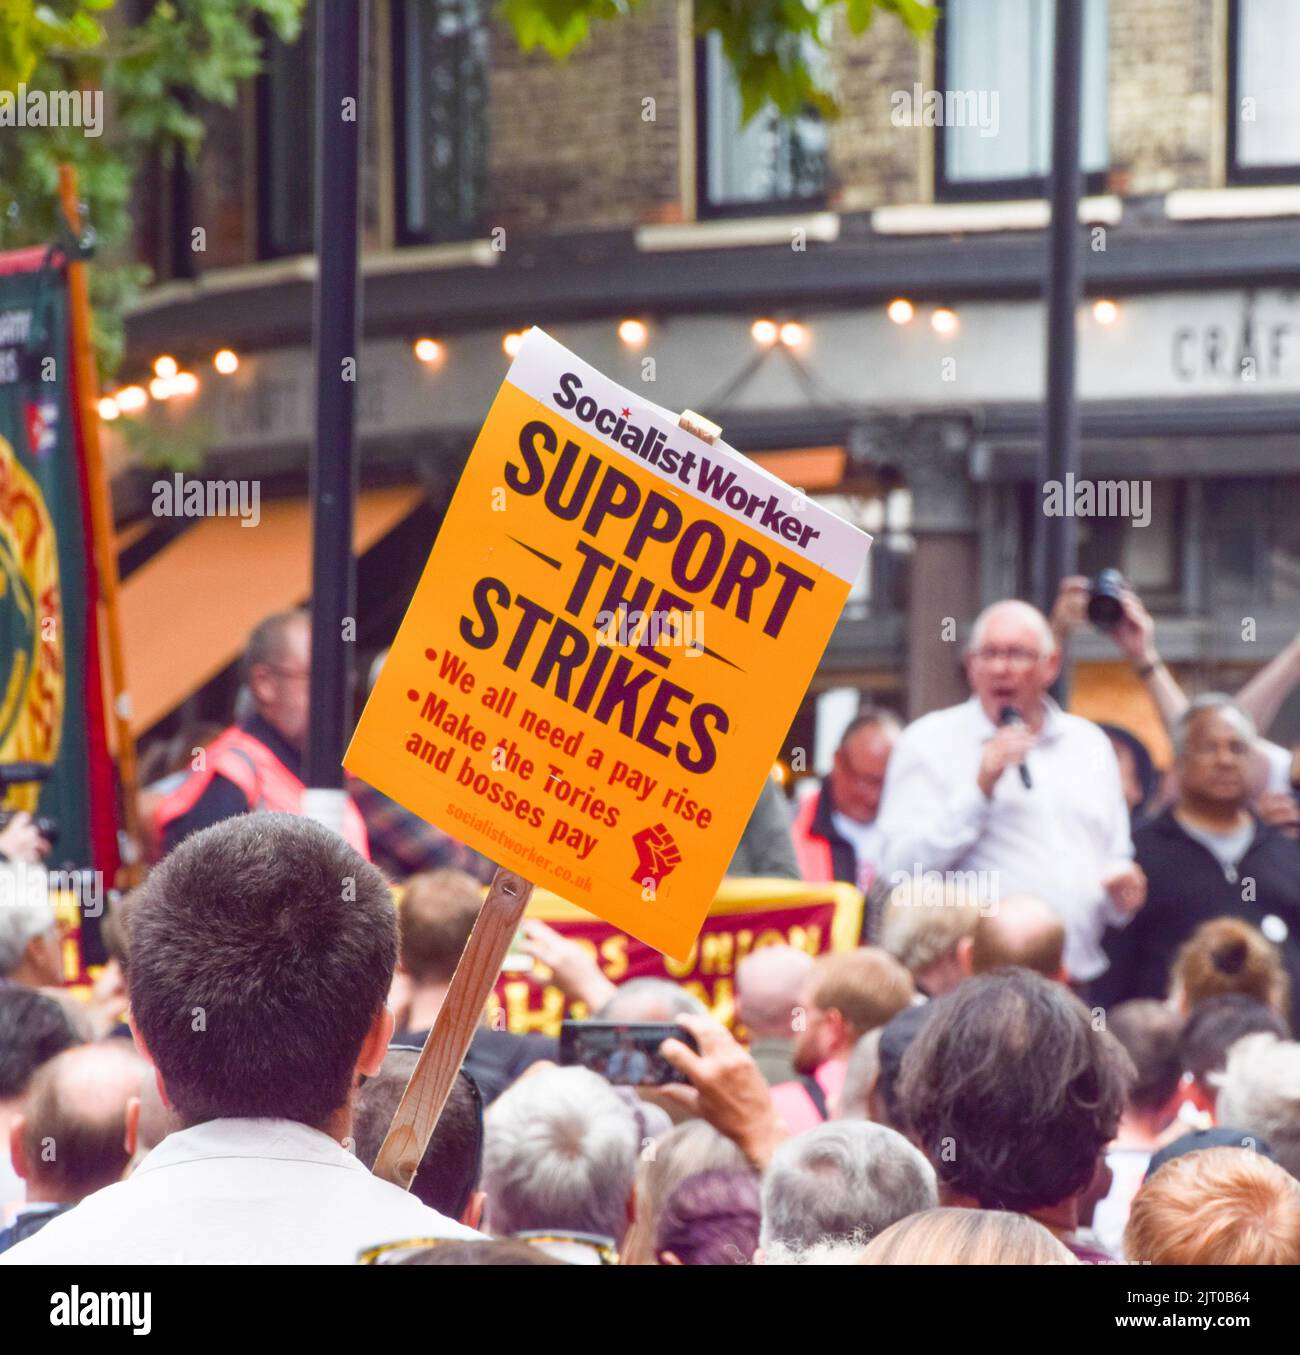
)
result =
(823, 854)
(266, 783)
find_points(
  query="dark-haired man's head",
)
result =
(436, 914)
(1212, 1028)
(1013, 1094)
(262, 950)
(447, 1177)
(857, 775)
(1150, 1032)
(33, 1029)
(72, 1138)
(1021, 932)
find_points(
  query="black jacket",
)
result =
(1186, 885)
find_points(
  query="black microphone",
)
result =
(1011, 716)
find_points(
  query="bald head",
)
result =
(769, 982)
(71, 1140)
(1023, 932)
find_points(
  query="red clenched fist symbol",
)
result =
(658, 854)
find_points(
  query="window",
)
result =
(994, 78)
(1252, 551)
(286, 131)
(770, 161)
(1264, 93)
(1149, 557)
(440, 77)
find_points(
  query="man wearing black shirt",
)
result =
(1206, 857)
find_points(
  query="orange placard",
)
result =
(612, 633)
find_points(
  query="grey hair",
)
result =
(843, 1179)
(1046, 640)
(559, 1152)
(1260, 1094)
(663, 994)
(24, 913)
(1210, 701)
(860, 1077)
(841, 1252)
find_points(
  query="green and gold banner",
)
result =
(51, 698)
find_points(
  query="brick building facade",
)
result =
(503, 190)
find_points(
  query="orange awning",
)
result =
(187, 612)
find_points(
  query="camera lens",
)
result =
(1104, 606)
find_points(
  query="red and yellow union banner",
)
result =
(745, 916)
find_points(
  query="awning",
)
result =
(187, 612)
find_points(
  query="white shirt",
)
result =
(1128, 1167)
(242, 1192)
(866, 840)
(1055, 841)
(1279, 765)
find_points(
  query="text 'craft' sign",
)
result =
(613, 631)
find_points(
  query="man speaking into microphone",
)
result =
(1010, 786)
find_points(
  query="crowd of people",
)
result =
(1065, 1037)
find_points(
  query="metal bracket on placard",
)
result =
(700, 426)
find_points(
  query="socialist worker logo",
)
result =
(32, 691)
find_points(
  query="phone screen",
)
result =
(625, 1053)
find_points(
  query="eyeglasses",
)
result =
(396, 1253)
(1015, 656)
(604, 1247)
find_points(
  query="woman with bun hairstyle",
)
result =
(1227, 955)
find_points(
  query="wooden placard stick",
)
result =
(426, 1093)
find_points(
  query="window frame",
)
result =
(267, 248)
(707, 210)
(991, 190)
(1235, 172)
(403, 235)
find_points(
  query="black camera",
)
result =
(22, 774)
(1105, 599)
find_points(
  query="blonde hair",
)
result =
(967, 1237)
(1216, 1207)
(1227, 955)
(917, 932)
(867, 986)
